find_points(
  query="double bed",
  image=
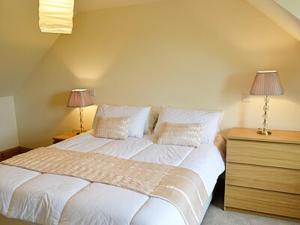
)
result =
(32, 197)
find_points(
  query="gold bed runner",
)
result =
(181, 187)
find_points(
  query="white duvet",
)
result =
(62, 200)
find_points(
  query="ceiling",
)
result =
(285, 13)
(293, 6)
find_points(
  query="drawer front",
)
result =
(264, 153)
(261, 177)
(263, 201)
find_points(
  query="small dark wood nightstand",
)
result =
(64, 136)
(13, 152)
(263, 172)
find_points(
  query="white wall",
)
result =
(8, 124)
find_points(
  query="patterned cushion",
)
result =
(209, 120)
(112, 127)
(185, 134)
(138, 117)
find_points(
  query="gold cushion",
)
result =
(185, 134)
(112, 127)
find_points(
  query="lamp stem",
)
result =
(81, 119)
(264, 130)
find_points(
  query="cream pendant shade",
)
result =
(56, 16)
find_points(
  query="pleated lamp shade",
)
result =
(267, 83)
(56, 16)
(80, 98)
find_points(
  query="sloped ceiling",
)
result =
(283, 12)
(22, 45)
(293, 6)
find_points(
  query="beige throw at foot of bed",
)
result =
(179, 186)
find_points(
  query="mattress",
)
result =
(61, 200)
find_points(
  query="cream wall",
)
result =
(8, 124)
(193, 54)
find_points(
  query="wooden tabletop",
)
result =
(66, 135)
(281, 136)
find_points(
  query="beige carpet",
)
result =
(216, 216)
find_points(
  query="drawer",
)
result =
(269, 202)
(261, 177)
(264, 153)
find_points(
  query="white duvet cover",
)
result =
(61, 200)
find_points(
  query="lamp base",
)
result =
(264, 132)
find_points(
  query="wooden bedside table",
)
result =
(263, 172)
(65, 136)
(12, 152)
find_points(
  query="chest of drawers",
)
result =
(263, 172)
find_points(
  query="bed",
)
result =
(30, 196)
(170, 183)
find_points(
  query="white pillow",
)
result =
(138, 117)
(210, 121)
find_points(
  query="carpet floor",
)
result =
(217, 216)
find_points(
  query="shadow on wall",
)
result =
(59, 100)
(238, 84)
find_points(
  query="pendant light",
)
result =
(56, 16)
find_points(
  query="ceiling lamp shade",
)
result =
(56, 16)
(267, 83)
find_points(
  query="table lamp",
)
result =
(266, 83)
(80, 98)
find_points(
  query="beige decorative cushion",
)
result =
(185, 134)
(112, 127)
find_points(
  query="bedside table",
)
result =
(263, 172)
(65, 136)
(12, 152)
